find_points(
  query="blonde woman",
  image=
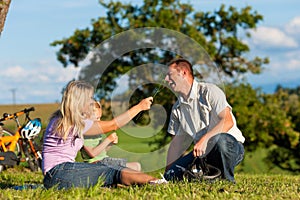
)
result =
(64, 138)
(95, 147)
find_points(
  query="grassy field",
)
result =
(255, 180)
(42, 111)
(248, 186)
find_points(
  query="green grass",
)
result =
(255, 163)
(248, 186)
(134, 146)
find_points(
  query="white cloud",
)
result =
(41, 72)
(67, 74)
(293, 61)
(42, 82)
(294, 64)
(285, 62)
(268, 37)
(293, 27)
(13, 72)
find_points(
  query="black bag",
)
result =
(8, 158)
(199, 170)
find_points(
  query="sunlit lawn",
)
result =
(248, 186)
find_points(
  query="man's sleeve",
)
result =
(217, 99)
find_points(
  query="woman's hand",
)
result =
(146, 103)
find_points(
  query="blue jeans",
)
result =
(114, 161)
(76, 174)
(223, 152)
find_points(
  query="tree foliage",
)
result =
(217, 32)
(269, 121)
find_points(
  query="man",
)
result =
(203, 116)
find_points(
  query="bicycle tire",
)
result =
(37, 161)
(34, 164)
(17, 151)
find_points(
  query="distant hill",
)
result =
(42, 111)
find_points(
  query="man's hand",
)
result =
(200, 147)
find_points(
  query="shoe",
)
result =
(159, 181)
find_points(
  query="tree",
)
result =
(285, 152)
(4, 6)
(217, 33)
(268, 121)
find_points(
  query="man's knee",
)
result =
(222, 142)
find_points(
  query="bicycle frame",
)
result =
(8, 143)
(13, 140)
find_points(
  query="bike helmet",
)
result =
(31, 129)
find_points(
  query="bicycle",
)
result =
(20, 146)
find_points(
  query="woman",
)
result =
(64, 138)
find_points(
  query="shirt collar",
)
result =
(193, 94)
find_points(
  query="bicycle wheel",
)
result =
(34, 163)
(17, 148)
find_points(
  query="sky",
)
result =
(31, 74)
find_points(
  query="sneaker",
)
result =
(159, 181)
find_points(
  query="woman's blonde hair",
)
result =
(76, 105)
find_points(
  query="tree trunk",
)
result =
(4, 5)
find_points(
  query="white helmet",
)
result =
(31, 129)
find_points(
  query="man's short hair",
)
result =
(182, 63)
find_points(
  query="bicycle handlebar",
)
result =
(7, 116)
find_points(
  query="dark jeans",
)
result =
(223, 151)
(75, 174)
